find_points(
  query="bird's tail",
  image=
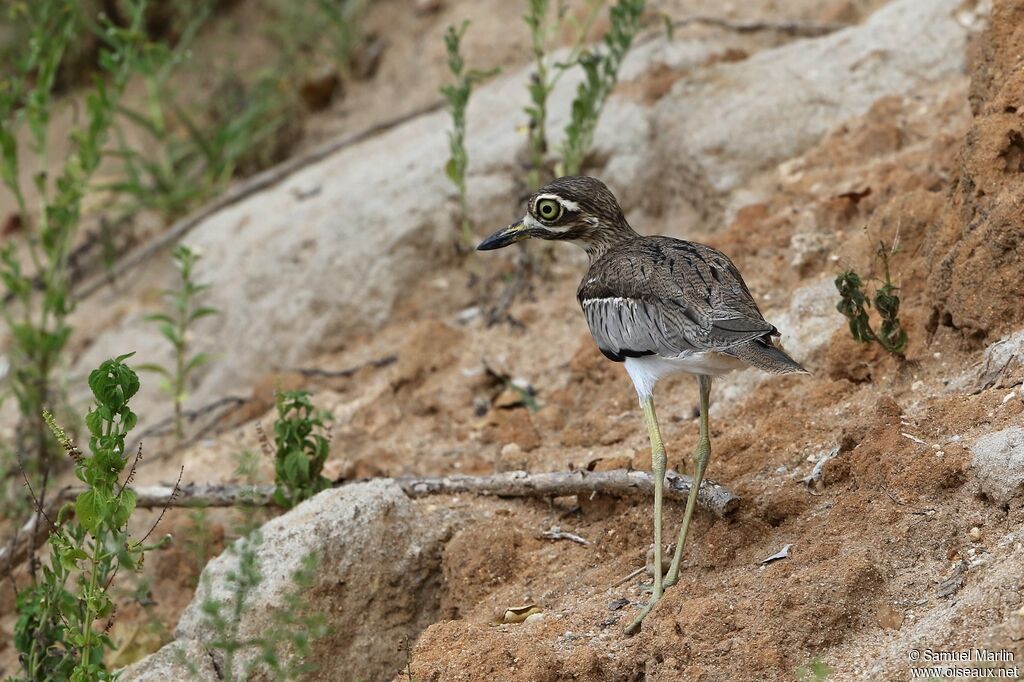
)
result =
(761, 353)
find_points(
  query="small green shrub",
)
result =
(183, 311)
(283, 649)
(601, 72)
(199, 538)
(854, 304)
(457, 96)
(56, 633)
(301, 445)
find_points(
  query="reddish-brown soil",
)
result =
(895, 511)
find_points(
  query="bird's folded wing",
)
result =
(642, 310)
(631, 327)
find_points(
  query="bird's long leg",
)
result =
(701, 455)
(658, 468)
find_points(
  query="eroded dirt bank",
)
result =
(911, 539)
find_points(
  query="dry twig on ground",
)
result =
(712, 496)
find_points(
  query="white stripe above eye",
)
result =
(567, 204)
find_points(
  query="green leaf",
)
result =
(124, 506)
(90, 510)
(203, 312)
(153, 367)
(170, 333)
(160, 317)
(197, 360)
(452, 171)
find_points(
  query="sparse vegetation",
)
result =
(457, 96)
(306, 31)
(601, 73)
(815, 671)
(35, 272)
(282, 650)
(57, 636)
(301, 444)
(194, 148)
(543, 28)
(854, 303)
(199, 538)
(184, 311)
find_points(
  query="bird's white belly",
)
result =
(647, 370)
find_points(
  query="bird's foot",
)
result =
(634, 627)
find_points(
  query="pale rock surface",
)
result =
(999, 463)
(184, 659)
(377, 579)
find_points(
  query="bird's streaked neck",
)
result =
(605, 236)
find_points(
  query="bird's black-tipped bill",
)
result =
(510, 235)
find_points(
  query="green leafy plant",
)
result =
(547, 73)
(301, 444)
(38, 323)
(601, 73)
(854, 304)
(184, 311)
(56, 634)
(457, 96)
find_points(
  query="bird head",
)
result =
(574, 208)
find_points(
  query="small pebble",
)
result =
(534, 618)
(511, 450)
(975, 534)
(617, 604)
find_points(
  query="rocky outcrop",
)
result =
(377, 581)
(979, 247)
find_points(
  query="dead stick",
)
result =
(712, 497)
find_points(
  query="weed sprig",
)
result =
(457, 96)
(547, 73)
(184, 311)
(601, 73)
(854, 302)
(38, 323)
(301, 445)
(284, 648)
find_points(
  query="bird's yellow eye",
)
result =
(549, 210)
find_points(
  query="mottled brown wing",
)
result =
(668, 297)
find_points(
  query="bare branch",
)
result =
(712, 497)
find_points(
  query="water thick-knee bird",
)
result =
(660, 306)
